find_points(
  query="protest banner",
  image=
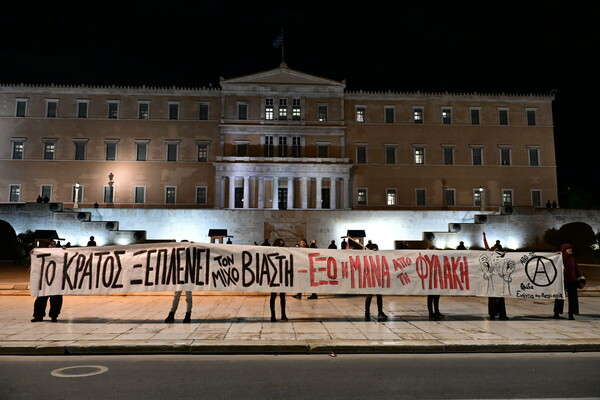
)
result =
(162, 267)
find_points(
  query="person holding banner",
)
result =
(39, 306)
(433, 302)
(188, 311)
(496, 305)
(278, 243)
(313, 245)
(380, 314)
(571, 278)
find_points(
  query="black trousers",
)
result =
(496, 306)
(379, 303)
(281, 302)
(559, 304)
(39, 306)
(433, 304)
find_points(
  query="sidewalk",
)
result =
(240, 324)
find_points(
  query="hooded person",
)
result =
(571, 278)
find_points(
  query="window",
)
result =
(531, 117)
(360, 114)
(391, 197)
(203, 111)
(446, 116)
(283, 109)
(51, 108)
(296, 146)
(172, 149)
(80, 147)
(505, 156)
(389, 115)
(173, 110)
(449, 197)
(322, 113)
(477, 155)
(170, 194)
(143, 110)
(475, 116)
(113, 109)
(536, 198)
(269, 146)
(448, 155)
(269, 109)
(503, 116)
(282, 146)
(419, 153)
(477, 196)
(142, 150)
(111, 151)
(14, 193)
(507, 197)
(139, 195)
(242, 149)
(46, 191)
(21, 110)
(202, 152)
(242, 110)
(201, 195)
(296, 110)
(77, 193)
(109, 194)
(82, 108)
(49, 150)
(420, 196)
(322, 150)
(534, 156)
(361, 154)
(361, 197)
(418, 115)
(390, 154)
(18, 149)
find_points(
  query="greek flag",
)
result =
(278, 40)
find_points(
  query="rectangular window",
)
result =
(418, 115)
(503, 116)
(390, 154)
(269, 146)
(170, 194)
(77, 193)
(322, 113)
(360, 114)
(109, 194)
(173, 110)
(534, 156)
(139, 194)
(505, 156)
(477, 197)
(80, 150)
(296, 146)
(296, 110)
(449, 197)
(113, 109)
(389, 115)
(507, 197)
(172, 149)
(419, 153)
(446, 116)
(49, 150)
(202, 152)
(18, 149)
(475, 116)
(242, 149)
(420, 196)
(141, 151)
(323, 150)
(476, 155)
(361, 197)
(536, 198)
(143, 110)
(21, 110)
(269, 109)
(14, 193)
(448, 155)
(531, 118)
(46, 192)
(111, 151)
(361, 154)
(51, 108)
(201, 195)
(391, 197)
(203, 111)
(242, 112)
(283, 109)
(82, 108)
(282, 146)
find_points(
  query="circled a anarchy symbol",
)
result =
(541, 271)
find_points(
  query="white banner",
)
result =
(164, 267)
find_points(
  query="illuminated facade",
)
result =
(279, 139)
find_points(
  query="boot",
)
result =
(284, 317)
(381, 316)
(170, 318)
(188, 318)
(367, 316)
(571, 317)
(273, 317)
(556, 315)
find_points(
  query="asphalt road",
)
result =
(447, 376)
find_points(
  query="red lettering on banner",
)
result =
(330, 269)
(431, 271)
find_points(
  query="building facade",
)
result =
(279, 139)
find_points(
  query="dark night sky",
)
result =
(515, 47)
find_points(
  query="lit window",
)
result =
(446, 116)
(143, 110)
(391, 197)
(361, 197)
(507, 197)
(477, 197)
(419, 153)
(269, 109)
(283, 109)
(322, 113)
(296, 110)
(49, 150)
(18, 149)
(202, 152)
(418, 115)
(360, 114)
(170, 194)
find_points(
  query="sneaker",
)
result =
(297, 296)
(503, 318)
(37, 319)
(313, 296)
(382, 317)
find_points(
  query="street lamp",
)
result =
(481, 198)
(76, 195)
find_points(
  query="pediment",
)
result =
(281, 76)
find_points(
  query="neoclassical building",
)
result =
(279, 139)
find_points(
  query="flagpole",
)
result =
(282, 45)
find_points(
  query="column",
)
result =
(275, 193)
(345, 190)
(318, 194)
(333, 193)
(261, 192)
(232, 192)
(304, 193)
(246, 184)
(290, 192)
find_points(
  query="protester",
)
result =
(496, 305)
(174, 305)
(278, 243)
(39, 306)
(313, 244)
(571, 279)
(433, 302)
(380, 314)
